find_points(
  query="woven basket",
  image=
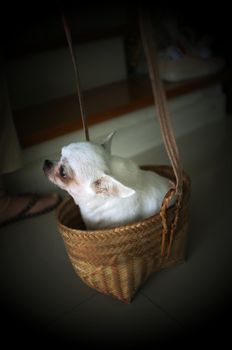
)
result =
(118, 261)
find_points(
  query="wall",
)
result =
(37, 78)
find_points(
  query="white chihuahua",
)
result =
(110, 190)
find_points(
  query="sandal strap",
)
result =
(24, 213)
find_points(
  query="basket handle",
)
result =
(160, 99)
(77, 77)
(166, 130)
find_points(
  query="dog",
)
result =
(109, 190)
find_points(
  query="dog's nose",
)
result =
(47, 165)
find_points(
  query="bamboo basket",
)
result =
(119, 260)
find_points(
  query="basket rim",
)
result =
(117, 229)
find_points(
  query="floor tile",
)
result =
(104, 320)
(37, 278)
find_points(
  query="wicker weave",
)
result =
(118, 261)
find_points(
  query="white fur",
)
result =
(110, 190)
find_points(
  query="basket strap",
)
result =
(160, 99)
(77, 78)
(166, 128)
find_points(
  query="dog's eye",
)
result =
(62, 171)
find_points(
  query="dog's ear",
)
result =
(108, 141)
(109, 187)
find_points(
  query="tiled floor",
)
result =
(40, 292)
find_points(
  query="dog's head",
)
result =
(84, 171)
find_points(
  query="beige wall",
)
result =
(37, 78)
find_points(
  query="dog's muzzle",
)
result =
(48, 165)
